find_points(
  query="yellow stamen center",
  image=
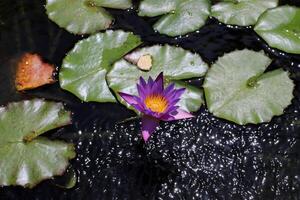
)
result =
(156, 103)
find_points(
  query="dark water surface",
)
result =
(201, 158)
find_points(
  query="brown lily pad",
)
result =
(32, 72)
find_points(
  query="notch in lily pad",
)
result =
(238, 89)
(84, 16)
(26, 157)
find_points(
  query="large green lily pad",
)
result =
(241, 12)
(84, 68)
(280, 28)
(179, 17)
(237, 89)
(83, 16)
(174, 62)
(25, 157)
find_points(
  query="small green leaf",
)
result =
(174, 62)
(280, 28)
(241, 12)
(237, 89)
(179, 17)
(25, 161)
(84, 68)
(83, 16)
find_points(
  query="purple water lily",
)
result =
(156, 103)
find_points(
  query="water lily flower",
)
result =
(156, 103)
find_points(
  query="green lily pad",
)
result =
(174, 62)
(25, 157)
(179, 17)
(237, 89)
(192, 98)
(241, 12)
(280, 28)
(83, 16)
(84, 68)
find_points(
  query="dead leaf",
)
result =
(145, 62)
(32, 72)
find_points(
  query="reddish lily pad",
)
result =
(32, 72)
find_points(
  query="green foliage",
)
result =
(237, 89)
(26, 158)
(179, 17)
(280, 28)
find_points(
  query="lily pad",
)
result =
(192, 98)
(84, 68)
(83, 16)
(178, 17)
(176, 64)
(25, 157)
(237, 89)
(241, 12)
(280, 28)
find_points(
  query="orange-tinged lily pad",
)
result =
(32, 72)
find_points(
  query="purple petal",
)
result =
(158, 85)
(177, 115)
(142, 82)
(175, 94)
(141, 91)
(173, 102)
(179, 92)
(132, 100)
(169, 89)
(170, 109)
(149, 125)
(140, 106)
(128, 98)
(150, 81)
(148, 86)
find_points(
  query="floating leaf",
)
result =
(84, 68)
(237, 89)
(83, 16)
(25, 157)
(145, 62)
(174, 62)
(179, 17)
(241, 12)
(280, 28)
(32, 72)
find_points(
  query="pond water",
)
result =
(200, 158)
